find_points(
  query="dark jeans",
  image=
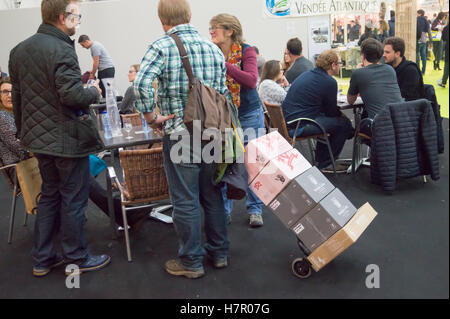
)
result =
(105, 74)
(65, 192)
(421, 54)
(191, 188)
(340, 129)
(437, 50)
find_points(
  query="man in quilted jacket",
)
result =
(49, 102)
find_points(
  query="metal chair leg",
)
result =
(25, 219)
(311, 151)
(13, 211)
(331, 154)
(125, 230)
(356, 142)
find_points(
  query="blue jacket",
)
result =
(312, 94)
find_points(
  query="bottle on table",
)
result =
(106, 125)
(113, 111)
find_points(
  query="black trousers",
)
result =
(105, 74)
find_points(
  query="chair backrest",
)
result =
(144, 174)
(267, 123)
(135, 118)
(277, 119)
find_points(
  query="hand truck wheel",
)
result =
(301, 268)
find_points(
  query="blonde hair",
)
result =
(326, 59)
(136, 67)
(384, 25)
(174, 12)
(229, 22)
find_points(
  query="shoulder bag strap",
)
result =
(184, 58)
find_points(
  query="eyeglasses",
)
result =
(215, 28)
(5, 92)
(78, 16)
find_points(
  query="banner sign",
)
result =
(304, 8)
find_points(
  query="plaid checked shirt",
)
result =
(162, 61)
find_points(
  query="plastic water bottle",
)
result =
(145, 126)
(106, 125)
(113, 111)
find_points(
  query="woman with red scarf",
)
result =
(242, 78)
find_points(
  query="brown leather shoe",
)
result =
(174, 267)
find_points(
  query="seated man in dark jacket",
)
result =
(409, 77)
(314, 95)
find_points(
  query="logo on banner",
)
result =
(280, 8)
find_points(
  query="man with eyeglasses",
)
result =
(48, 97)
(313, 95)
(102, 61)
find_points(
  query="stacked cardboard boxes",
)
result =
(323, 219)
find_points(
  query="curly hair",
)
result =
(326, 59)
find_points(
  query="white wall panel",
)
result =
(127, 27)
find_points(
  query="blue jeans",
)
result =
(255, 120)
(190, 185)
(62, 206)
(340, 129)
(421, 54)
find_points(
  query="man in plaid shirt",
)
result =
(190, 184)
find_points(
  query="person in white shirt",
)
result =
(273, 85)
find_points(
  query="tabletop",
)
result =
(343, 104)
(139, 138)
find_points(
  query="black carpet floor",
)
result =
(408, 241)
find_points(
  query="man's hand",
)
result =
(158, 124)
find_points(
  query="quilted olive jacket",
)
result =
(48, 94)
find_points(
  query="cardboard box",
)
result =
(276, 175)
(343, 239)
(260, 151)
(338, 207)
(300, 196)
(325, 219)
(315, 228)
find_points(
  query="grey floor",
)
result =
(408, 241)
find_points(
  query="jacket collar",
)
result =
(401, 65)
(57, 33)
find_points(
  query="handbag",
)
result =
(30, 182)
(87, 134)
(204, 104)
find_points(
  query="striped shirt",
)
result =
(162, 61)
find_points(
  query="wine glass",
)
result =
(127, 126)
